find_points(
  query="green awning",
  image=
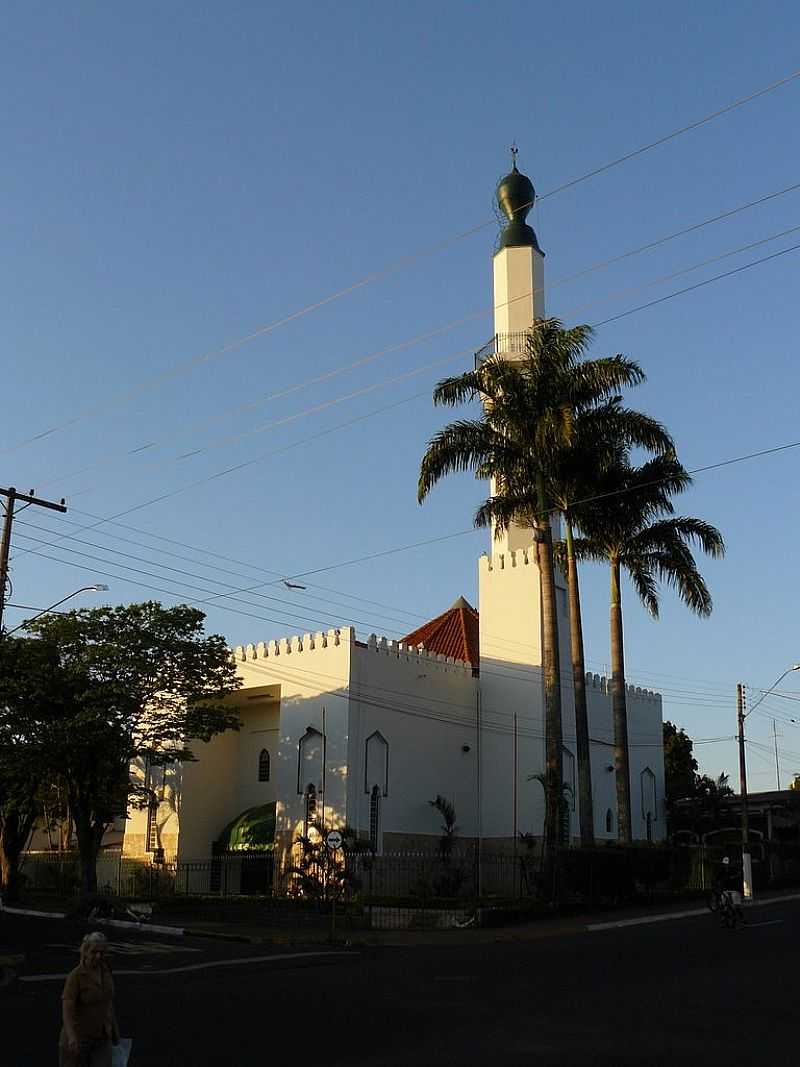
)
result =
(254, 829)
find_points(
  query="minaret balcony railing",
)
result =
(503, 344)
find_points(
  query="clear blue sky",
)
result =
(176, 176)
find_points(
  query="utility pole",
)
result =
(747, 864)
(777, 765)
(12, 496)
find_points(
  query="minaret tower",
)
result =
(518, 292)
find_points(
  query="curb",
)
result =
(643, 920)
(31, 911)
(177, 931)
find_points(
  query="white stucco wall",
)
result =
(313, 673)
(424, 706)
(645, 750)
(511, 684)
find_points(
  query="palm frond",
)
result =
(460, 446)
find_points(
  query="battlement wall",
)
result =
(288, 646)
(344, 637)
(599, 681)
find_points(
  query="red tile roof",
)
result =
(453, 633)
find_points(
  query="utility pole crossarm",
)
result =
(12, 496)
(31, 499)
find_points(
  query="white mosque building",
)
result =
(363, 731)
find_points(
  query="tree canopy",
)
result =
(91, 691)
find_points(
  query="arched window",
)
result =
(648, 784)
(375, 818)
(263, 765)
(609, 821)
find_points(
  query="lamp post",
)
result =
(741, 715)
(99, 588)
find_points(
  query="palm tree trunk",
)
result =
(620, 710)
(579, 687)
(552, 694)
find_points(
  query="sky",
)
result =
(228, 229)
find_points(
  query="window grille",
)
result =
(263, 765)
(375, 819)
(152, 826)
(311, 805)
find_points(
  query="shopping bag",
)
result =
(121, 1052)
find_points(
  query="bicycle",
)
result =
(731, 914)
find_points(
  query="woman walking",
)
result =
(89, 1023)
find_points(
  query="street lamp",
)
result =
(766, 693)
(99, 588)
(741, 714)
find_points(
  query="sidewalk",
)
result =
(555, 926)
(255, 932)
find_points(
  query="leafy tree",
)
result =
(795, 784)
(32, 698)
(631, 524)
(527, 422)
(680, 766)
(139, 682)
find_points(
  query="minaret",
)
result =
(518, 292)
(510, 621)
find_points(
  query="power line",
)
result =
(699, 285)
(675, 133)
(186, 365)
(416, 339)
(711, 699)
(532, 672)
(246, 463)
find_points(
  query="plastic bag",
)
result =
(121, 1052)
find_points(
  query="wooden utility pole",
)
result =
(12, 496)
(777, 764)
(747, 865)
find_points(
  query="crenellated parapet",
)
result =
(295, 645)
(414, 654)
(346, 635)
(521, 557)
(601, 682)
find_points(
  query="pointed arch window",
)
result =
(609, 821)
(376, 763)
(649, 809)
(264, 765)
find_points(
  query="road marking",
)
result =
(275, 958)
(644, 919)
(772, 922)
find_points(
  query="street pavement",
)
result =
(668, 993)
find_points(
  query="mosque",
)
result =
(363, 732)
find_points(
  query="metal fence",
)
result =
(406, 889)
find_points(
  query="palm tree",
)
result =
(528, 420)
(630, 523)
(600, 435)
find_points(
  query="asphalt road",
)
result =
(684, 991)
